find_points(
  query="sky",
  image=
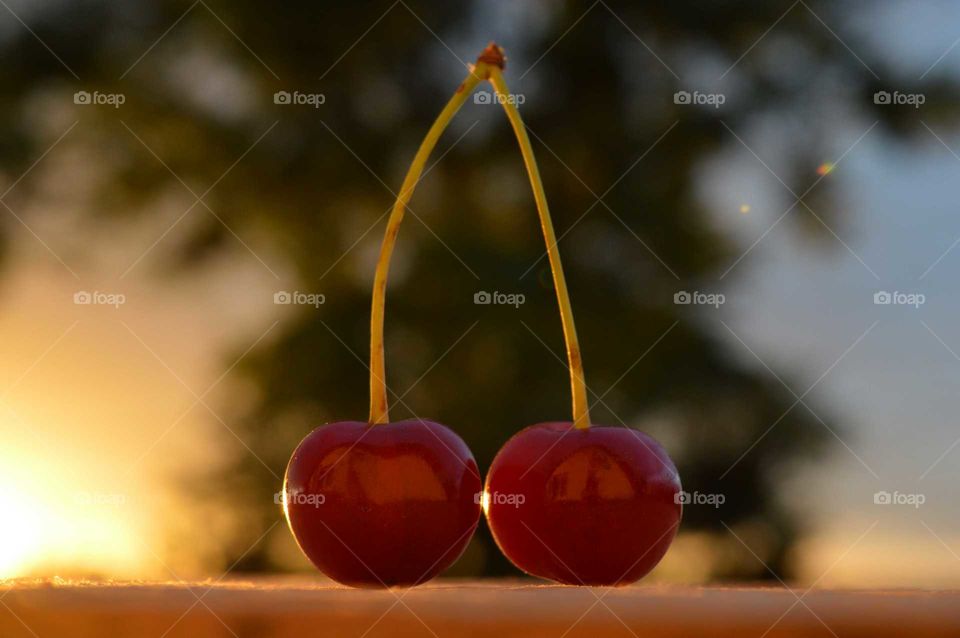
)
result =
(803, 307)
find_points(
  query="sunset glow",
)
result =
(22, 534)
(51, 529)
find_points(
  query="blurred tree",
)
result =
(314, 184)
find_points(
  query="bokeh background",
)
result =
(156, 198)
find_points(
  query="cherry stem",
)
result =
(379, 410)
(581, 411)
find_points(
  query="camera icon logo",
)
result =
(482, 298)
(882, 498)
(882, 298)
(82, 298)
(282, 97)
(682, 298)
(282, 298)
(82, 97)
(483, 97)
(682, 97)
(881, 97)
(682, 498)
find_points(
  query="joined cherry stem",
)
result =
(488, 67)
(379, 409)
(578, 385)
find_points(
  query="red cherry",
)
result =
(382, 505)
(595, 506)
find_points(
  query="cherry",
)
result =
(578, 504)
(376, 503)
(592, 506)
(382, 505)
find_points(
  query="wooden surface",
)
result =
(464, 609)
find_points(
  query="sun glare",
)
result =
(57, 518)
(22, 535)
(73, 533)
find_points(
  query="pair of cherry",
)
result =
(379, 504)
(397, 503)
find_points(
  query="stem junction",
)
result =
(489, 66)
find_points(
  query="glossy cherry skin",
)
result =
(382, 505)
(583, 507)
